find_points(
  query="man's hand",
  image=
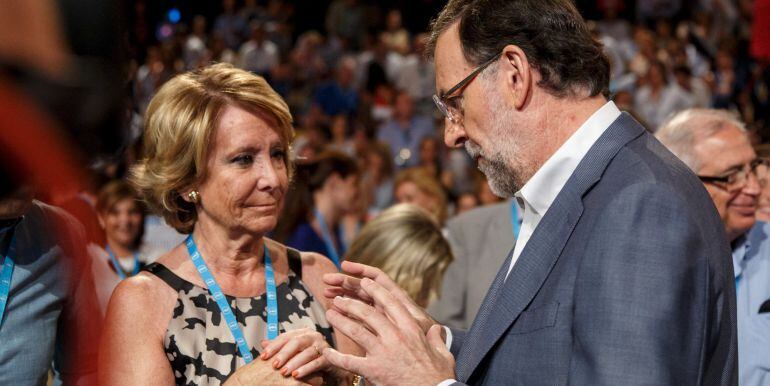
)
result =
(350, 287)
(398, 352)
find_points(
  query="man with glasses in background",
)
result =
(716, 146)
(621, 273)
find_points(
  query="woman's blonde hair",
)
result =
(406, 243)
(179, 125)
(427, 183)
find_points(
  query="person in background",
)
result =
(121, 215)
(258, 54)
(716, 146)
(481, 239)
(406, 243)
(228, 306)
(377, 178)
(465, 202)
(325, 189)
(405, 131)
(763, 204)
(419, 187)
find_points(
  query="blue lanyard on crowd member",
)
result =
(330, 248)
(5, 277)
(224, 306)
(515, 223)
(118, 268)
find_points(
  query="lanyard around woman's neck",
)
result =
(224, 305)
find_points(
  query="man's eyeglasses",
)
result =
(736, 180)
(449, 104)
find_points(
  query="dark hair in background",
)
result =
(309, 177)
(551, 33)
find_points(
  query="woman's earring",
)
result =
(194, 196)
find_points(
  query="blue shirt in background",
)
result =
(751, 261)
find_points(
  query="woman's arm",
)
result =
(132, 340)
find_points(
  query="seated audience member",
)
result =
(121, 215)
(407, 244)
(481, 239)
(419, 187)
(228, 306)
(466, 201)
(377, 178)
(716, 146)
(324, 190)
(404, 131)
(763, 173)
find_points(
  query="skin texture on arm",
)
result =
(132, 340)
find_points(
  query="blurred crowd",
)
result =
(361, 85)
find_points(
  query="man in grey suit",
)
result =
(621, 273)
(480, 241)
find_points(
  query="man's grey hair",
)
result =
(682, 132)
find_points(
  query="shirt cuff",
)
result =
(447, 382)
(448, 343)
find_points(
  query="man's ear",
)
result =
(518, 75)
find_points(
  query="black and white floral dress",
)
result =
(200, 346)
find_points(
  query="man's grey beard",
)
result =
(503, 180)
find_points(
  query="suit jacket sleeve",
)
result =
(646, 293)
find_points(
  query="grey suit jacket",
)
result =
(626, 280)
(480, 239)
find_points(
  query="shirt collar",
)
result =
(541, 190)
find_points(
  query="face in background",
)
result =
(727, 151)
(763, 203)
(487, 129)
(246, 175)
(344, 192)
(466, 202)
(123, 223)
(408, 193)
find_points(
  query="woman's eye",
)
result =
(279, 154)
(244, 159)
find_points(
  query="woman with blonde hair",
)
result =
(407, 244)
(228, 306)
(420, 187)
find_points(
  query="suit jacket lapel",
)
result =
(507, 298)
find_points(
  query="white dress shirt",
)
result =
(537, 195)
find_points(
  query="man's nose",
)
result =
(454, 134)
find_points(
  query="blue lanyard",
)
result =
(224, 306)
(5, 277)
(118, 267)
(515, 224)
(330, 248)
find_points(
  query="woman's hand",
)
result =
(297, 353)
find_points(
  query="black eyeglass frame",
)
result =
(442, 101)
(724, 181)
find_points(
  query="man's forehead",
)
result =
(451, 65)
(727, 148)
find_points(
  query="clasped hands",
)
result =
(403, 344)
(293, 358)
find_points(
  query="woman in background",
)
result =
(406, 244)
(121, 216)
(325, 190)
(418, 186)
